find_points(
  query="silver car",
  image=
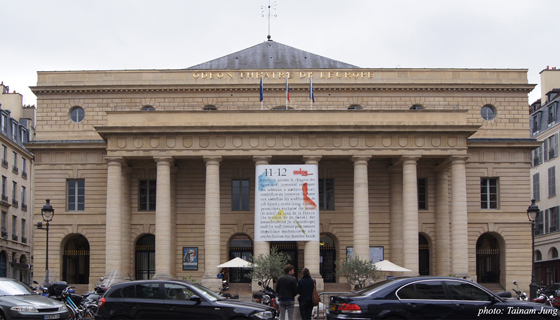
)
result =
(18, 301)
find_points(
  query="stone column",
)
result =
(260, 247)
(442, 263)
(126, 231)
(396, 215)
(163, 218)
(410, 214)
(312, 249)
(361, 207)
(114, 220)
(212, 223)
(459, 222)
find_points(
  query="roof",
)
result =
(272, 55)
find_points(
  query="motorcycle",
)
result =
(90, 298)
(542, 297)
(520, 295)
(224, 294)
(267, 296)
(40, 290)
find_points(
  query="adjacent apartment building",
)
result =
(16, 127)
(152, 173)
(545, 127)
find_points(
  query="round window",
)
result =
(77, 114)
(488, 112)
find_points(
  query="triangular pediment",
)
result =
(272, 55)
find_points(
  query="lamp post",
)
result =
(47, 212)
(533, 215)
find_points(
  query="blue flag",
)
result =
(261, 89)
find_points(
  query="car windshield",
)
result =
(13, 288)
(206, 293)
(374, 287)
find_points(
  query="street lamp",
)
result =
(533, 215)
(47, 212)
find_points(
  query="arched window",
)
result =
(210, 107)
(240, 246)
(538, 255)
(355, 107)
(77, 114)
(554, 253)
(327, 265)
(148, 108)
(488, 112)
(417, 107)
(75, 268)
(145, 257)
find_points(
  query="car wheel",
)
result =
(2, 317)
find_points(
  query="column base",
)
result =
(213, 284)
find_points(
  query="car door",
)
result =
(144, 301)
(425, 299)
(472, 302)
(179, 305)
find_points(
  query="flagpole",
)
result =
(311, 91)
(261, 93)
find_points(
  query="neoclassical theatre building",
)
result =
(152, 172)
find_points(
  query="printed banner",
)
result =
(286, 203)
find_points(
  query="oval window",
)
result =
(488, 112)
(77, 114)
(148, 108)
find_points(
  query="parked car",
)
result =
(155, 299)
(18, 301)
(432, 298)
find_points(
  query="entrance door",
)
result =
(240, 246)
(327, 266)
(289, 249)
(487, 259)
(75, 261)
(423, 256)
(145, 257)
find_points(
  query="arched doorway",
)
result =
(290, 251)
(145, 257)
(423, 256)
(240, 246)
(75, 260)
(3, 264)
(488, 259)
(327, 266)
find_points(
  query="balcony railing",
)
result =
(15, 170)
(15, 203)
(5, 198)
(14, 237)
(24, 239)
(24, 174)
(23, 207)
(5, 163)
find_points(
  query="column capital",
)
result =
(163, 160)
(458, 159)
(212, 159)
(261, 160)
(310, 159)
(360, 159)
(111, 160)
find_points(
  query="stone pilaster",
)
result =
(312, 249)
(114, 219)
(212, 223)
(410, 214)
(260, 247)
(396, 176)
(361, 208)
(163, 218)
(459, 222)
(442, 263)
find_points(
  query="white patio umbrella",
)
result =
(387, 265)
(236, 263)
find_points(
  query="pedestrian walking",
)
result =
(305, 291)
(286, 287)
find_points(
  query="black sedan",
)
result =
(18, 301)
(432, 298)
(155, 299)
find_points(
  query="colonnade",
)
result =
(450, 223)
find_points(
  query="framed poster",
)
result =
(286, 203)
(375, 254)
(190, 258)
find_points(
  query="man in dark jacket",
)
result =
(286, 288)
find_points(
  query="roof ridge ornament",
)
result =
(269, 15)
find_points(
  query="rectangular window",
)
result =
(76, 194)
(554, 221)
(4, 156)
(553, 146)
(551, 181)
(23, 195)
(536, 187)
(489, 193)
(545, 149)
(5, 124)
(422, 194)
(326, 194)
(545, 222)
(14, 225)
(552, 111)
(240, 195)
(23, 169)
(537, 156)
(539, 226)
(14, 193)
(23, 230)
(147, 195)
(4, 222)
(536, 123)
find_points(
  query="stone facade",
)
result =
(208, 128)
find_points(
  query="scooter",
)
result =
(520, 295)
(227, 295)
(40, 290)
(267, 296)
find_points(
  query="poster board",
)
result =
(286, 203)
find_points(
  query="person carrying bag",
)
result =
(306, 287)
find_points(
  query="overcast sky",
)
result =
(43, 35)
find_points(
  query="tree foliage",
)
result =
(267, 268)
(359, 273)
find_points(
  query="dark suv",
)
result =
(159, 299)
